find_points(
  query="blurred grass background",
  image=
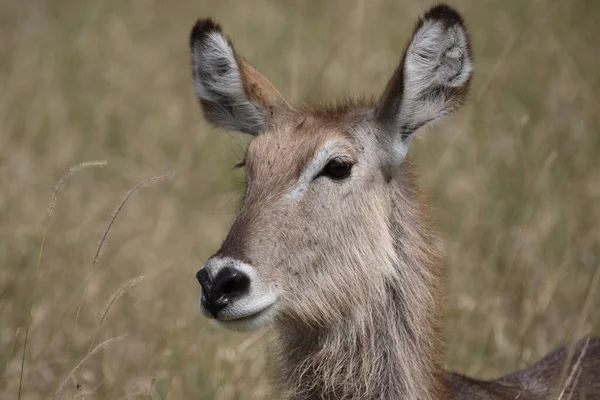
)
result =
(514, 179)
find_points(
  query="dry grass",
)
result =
(515, 179)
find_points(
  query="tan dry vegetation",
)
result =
(514, 178)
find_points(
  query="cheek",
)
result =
(320, 227)
(314, 234)
(301, 241)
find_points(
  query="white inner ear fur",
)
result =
(437, 57)
(217, 79)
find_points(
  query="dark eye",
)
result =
(337, 169)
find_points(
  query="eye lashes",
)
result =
(241, 164)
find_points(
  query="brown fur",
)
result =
(355, 263)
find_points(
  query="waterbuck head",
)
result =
(330, 221)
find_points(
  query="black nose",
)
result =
(219, 292)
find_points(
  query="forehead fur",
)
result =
(282, 152)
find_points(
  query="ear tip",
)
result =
(202, 28)
(443, 12)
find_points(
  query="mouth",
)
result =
(243, 317)
(249, 322)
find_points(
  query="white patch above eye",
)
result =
(311, 170)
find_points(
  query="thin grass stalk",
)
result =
(118, 293)
(565, 379)
(31, 300)
(84, 359)
(102, 242)
(59, 186)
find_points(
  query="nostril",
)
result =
(236, 283)
(231, 283)
(204, 279)
(219, 291)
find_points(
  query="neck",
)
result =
(389, 348)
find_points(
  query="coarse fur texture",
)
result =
(346, 269)
(232, 93)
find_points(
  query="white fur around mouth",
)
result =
(249, 321)
(242, 317)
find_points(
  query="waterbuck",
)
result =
(330, 247)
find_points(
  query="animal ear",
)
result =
(232, 94)
(432, 79)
